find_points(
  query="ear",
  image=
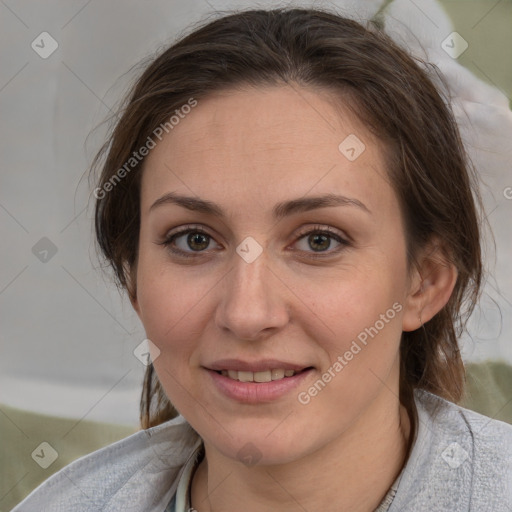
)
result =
(431, 285)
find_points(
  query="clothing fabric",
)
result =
(181, 502)
(461, 461)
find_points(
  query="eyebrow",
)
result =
(280, 210)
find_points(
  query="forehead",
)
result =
(248, 146)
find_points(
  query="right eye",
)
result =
(187, 241)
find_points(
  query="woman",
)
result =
(287, 202)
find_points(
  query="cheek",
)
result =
(169, 312)
(363, 313)
(354, 299)
(360, 352)
(168, 303)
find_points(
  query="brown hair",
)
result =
(389, 91)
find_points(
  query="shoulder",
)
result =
(461, 460)
(136, 473)
(488, 438)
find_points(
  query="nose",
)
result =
(252, 305)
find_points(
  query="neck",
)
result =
(353, 472)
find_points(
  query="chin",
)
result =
(259, 444)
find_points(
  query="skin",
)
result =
(247, 150)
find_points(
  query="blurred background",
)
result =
(69, 341)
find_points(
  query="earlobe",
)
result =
(431, 288)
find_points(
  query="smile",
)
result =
(260, 386)
(264, 376)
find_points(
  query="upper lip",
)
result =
(254, 366)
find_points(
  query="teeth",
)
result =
(245, 376)
(265, 376)
(277, 374)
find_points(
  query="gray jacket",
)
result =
(461, 461)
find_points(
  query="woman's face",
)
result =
(273, 277)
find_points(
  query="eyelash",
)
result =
(318, 230)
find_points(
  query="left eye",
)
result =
(320, 241)
(195, 240)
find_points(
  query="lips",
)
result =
(259, 382)
(267, 370)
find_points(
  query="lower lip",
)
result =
(257, 392)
